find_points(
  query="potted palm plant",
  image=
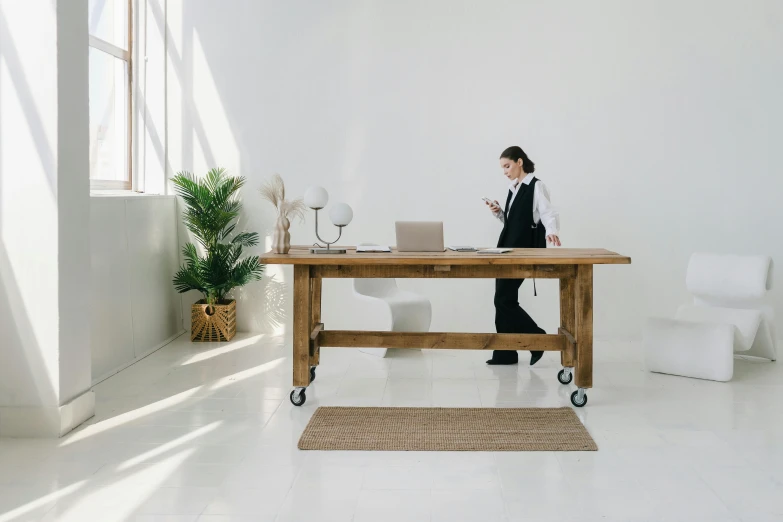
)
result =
(212, 208)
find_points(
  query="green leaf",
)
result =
(212, 208)
(246, 239)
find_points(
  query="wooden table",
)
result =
(572, 266)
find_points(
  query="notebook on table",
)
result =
(372, 248)
(495, 250)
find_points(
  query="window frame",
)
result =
(126, 56)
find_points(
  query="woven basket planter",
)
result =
(213, 323)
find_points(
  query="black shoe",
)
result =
(535, 357)
(496, 362)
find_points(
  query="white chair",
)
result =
(407, 311)
(727, 316)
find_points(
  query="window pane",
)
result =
(108, 117)
(109, 21)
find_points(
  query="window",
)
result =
(110, 94)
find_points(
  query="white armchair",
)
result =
(727, 316)
(407, 311)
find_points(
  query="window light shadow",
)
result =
(221, 350)
(168, 446)
(22, 511)
(9, 55)
(113, 497)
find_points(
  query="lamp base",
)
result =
(327, 251)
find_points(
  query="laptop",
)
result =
(419, 236)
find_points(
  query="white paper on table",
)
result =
(495, 250)
(372, 248)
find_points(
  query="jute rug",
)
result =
(446, 429)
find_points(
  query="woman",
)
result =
(529, 221)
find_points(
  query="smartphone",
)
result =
(489, 201)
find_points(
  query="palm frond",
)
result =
(212, 208)
(227, 231)
(188, 278)
(190, 254)
(246, 239)
(247, 270)
(214, 179)
(225, 193)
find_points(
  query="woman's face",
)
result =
(512, 169)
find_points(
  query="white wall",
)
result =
(654, 123)
(28, 269)
(72, 189)
(133, 258)
(44, 218)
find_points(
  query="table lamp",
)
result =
(341, 215)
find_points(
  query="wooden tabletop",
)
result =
(300, 255)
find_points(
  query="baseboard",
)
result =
(137, 359)
(46, 421)
(77, 411)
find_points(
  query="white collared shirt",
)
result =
(543, 210)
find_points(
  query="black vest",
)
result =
(519, 231)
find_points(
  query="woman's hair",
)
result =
(515, 154)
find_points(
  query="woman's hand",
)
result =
(552, 238)
(494, 207)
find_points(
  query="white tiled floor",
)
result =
(207, 433)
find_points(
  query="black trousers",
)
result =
(510, 317)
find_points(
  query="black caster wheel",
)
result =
(312, 374)
(298, 400)
(575, 399)
(565, 378)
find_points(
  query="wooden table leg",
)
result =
(315, 303)
(302, 322)
(568, 319)
(584, 326)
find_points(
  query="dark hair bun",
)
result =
(515, 154)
